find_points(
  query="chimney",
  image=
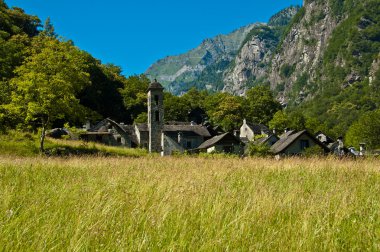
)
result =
(179, 138)
(88, 125)
(274, 131)
(236, 133)
(244, 121)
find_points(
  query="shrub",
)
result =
(258, 150)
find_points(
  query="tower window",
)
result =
(304, 144)
(156, 99)
(157, 116)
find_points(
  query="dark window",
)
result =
(304, 144)
(99, 138)
(156, 99)
(188, 144)
(118, 139)
(157, 116)
(228, 149)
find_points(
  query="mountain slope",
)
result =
(211, 65)
(212, 55)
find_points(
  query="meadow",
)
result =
(188, 204)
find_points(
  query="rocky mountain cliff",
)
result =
(328, 49)
(178, 73)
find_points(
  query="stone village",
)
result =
(167, 138)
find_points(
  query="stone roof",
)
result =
(216, 139)
(155, 85)
(291, 136)
(257, 128)
(263, 140)
(142, 126)
(197, 129)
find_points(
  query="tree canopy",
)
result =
(46, 84)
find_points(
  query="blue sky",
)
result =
(134, 34)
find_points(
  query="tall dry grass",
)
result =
(188, 203)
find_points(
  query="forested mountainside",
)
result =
(321, 60)
(327, 66)
(208, 66)
(201, 65)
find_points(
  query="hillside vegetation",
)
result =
(186, 204)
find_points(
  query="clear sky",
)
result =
(134, 34)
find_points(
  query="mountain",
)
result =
(322, 60)
(212, 56)
(206, 66)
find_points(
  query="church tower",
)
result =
(155, 115)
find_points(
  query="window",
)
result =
(228, 149)
(188, 144)
(304, 144)
(156, 99)
(157, 116)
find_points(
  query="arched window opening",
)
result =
(156, 99)
(157, 116)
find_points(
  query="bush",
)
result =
(314, 151)
(258, 150)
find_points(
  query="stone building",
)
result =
(155, 116)
(294, 143)
(155, 135)
(248, 131)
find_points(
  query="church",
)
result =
(157, 135)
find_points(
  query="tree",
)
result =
(48, 29)
(225, 110)
(176, 108)
(134, 95)
(366, 129)
(279, 122)
(104, 94)
(46, 85)
(260, 105)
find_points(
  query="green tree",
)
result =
(260, 105)
(279, 122)
(103, 95)
(176, 108)
(366, 129)
(48, 30)
(225, 110)
(195, 98)
(46, 85)
(134, 94)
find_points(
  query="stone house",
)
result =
(224, 143)
(111, 133)
(268, 140)
(293, 143)
(155, 135)
(248, 131)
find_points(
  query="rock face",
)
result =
(251, 64)
(226, 62)
(302, 48)
(301, 52)
(177, 72)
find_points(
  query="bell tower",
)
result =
(155, 115)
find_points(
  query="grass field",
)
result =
(188, 203)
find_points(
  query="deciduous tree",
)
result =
(46, 85)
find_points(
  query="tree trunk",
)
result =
(42, 138)
(43, 132)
